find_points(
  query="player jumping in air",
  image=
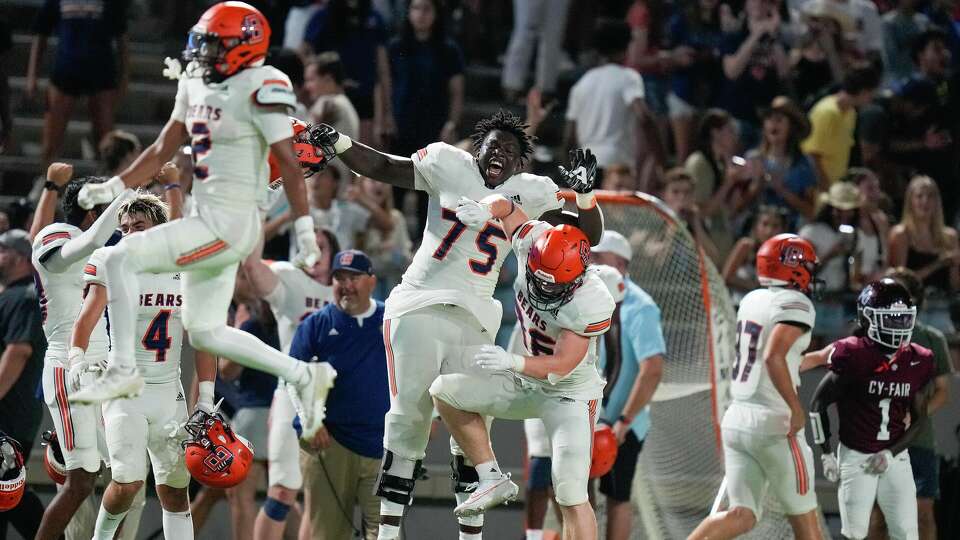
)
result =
(880, 383)
(443, 312)
(763, 442)
(235, 110)
(561, 306)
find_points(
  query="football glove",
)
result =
(472, 213)
(93, 194)
(878, 463)
(582, 174)
(308, 252)
(494, 358)
(831, 469)
(330, 141)
(173, 70)
(81, 372)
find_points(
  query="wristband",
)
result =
(586, 201)
(343, 143)
(50, 186)
(168, 187)
(625, 420)
(519, 362)
(303, 225)
(205, 394)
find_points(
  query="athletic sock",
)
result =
(534, 534)
(178, 525)
(107, 524)
(392, 509)
(472, 524)
(488, 470)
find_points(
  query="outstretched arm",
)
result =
(89, 240)
(569, 352)
(261, 278)
(581, 178)
(827, 392)
(816, 358)
(365, 161)
(145, 167)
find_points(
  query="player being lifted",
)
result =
(142, 425)
(880, 383)
(763, 442)
(443, 311)
(561, 306)
(234, 108)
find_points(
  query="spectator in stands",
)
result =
(390, 251)
(785, 176)
(819, 61)
(23, 345)
(4, 221)
(740, 268)
(619, 178)
(869, 26)
(347, 218)
(649, 55)
(922, 242)
(833, 234)
(356, 32)
(633, 367)
(295, 26)
(343, 466)
(6, 120)
(901, 27)
(755, 66)
(873, 228)
(695, 36)
(91, 62)
(118, 149)
(289, 62)
(678, 195)
(833, 120)
(606, 111)
(539, 24)
(323, 80)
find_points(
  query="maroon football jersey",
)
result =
(876, 391)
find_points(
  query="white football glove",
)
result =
(81, 373)
(8, 457)
(472, 213)
(93, 194)
(174, 69)
(308, 252)
(205, 396)
(878, 463)
(831, 469)
(494, 358)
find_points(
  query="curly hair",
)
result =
(509, 123)
(72, 212)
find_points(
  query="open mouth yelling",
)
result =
(494, 167)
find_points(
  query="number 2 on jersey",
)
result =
(156, 338)
(483, 242)
(754, 329)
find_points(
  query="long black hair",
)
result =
(438, 32)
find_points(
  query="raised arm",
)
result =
(148, 163)
(390, 169)
(261, 277)
(581, 177)
(58, 174)
(89, 240)
(169, 178)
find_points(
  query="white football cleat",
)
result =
(311, 398)
(115, 382)
(489, 493)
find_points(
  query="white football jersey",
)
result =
(750, 383)
(296, 296)
(61, 294)
(456, 265)
(159, 325)
(589, 313)
(232, 125)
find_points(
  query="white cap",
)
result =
(613, 279)
(614, 242)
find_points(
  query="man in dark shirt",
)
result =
(345, 463)
(23, 346)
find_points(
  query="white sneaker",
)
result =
(115, 382)
(311, 399)
(489, 493)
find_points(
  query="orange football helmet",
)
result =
(786, 260)
(310, 157)
(555, 266)
(604, 452)
(53, 457)
(13, 473)
(228, 37)
(215, 455)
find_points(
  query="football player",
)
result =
(60, 252)
(443, 310)
(562, 306)
(234, 109)
(763, 442)
(879, 381)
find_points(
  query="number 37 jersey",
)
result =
(159, 327)
(750, 382)
(454, 264)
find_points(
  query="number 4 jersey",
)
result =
(159, 328)
(757, 406)
(454, 264)
(876, 391)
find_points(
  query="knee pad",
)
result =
(396, 489)
(539, 474)
(276, 510)
(464, 478)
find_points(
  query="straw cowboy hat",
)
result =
(842, 196)
(785, 106)
(827, 9)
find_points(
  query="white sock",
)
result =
(389, 508)
(472, 521)
(534, 534)
(177, 525)
(488, 470)
(107, 524)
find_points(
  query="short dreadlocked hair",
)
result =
(507, 122)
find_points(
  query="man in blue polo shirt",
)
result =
(342, 467)
(633, 366)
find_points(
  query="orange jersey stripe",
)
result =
(90, 269)
(597, 326)
(54, 236)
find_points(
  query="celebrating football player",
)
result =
(763, 442)
(562, 306)
(234, 109)
(443, 311)
(879, 381)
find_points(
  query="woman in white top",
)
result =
(873, 227)
(389, 249)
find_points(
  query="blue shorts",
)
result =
(926, 472)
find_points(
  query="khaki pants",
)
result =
(351, 480)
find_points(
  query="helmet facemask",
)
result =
(890, 327)
(204, 52)
(546, 295)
